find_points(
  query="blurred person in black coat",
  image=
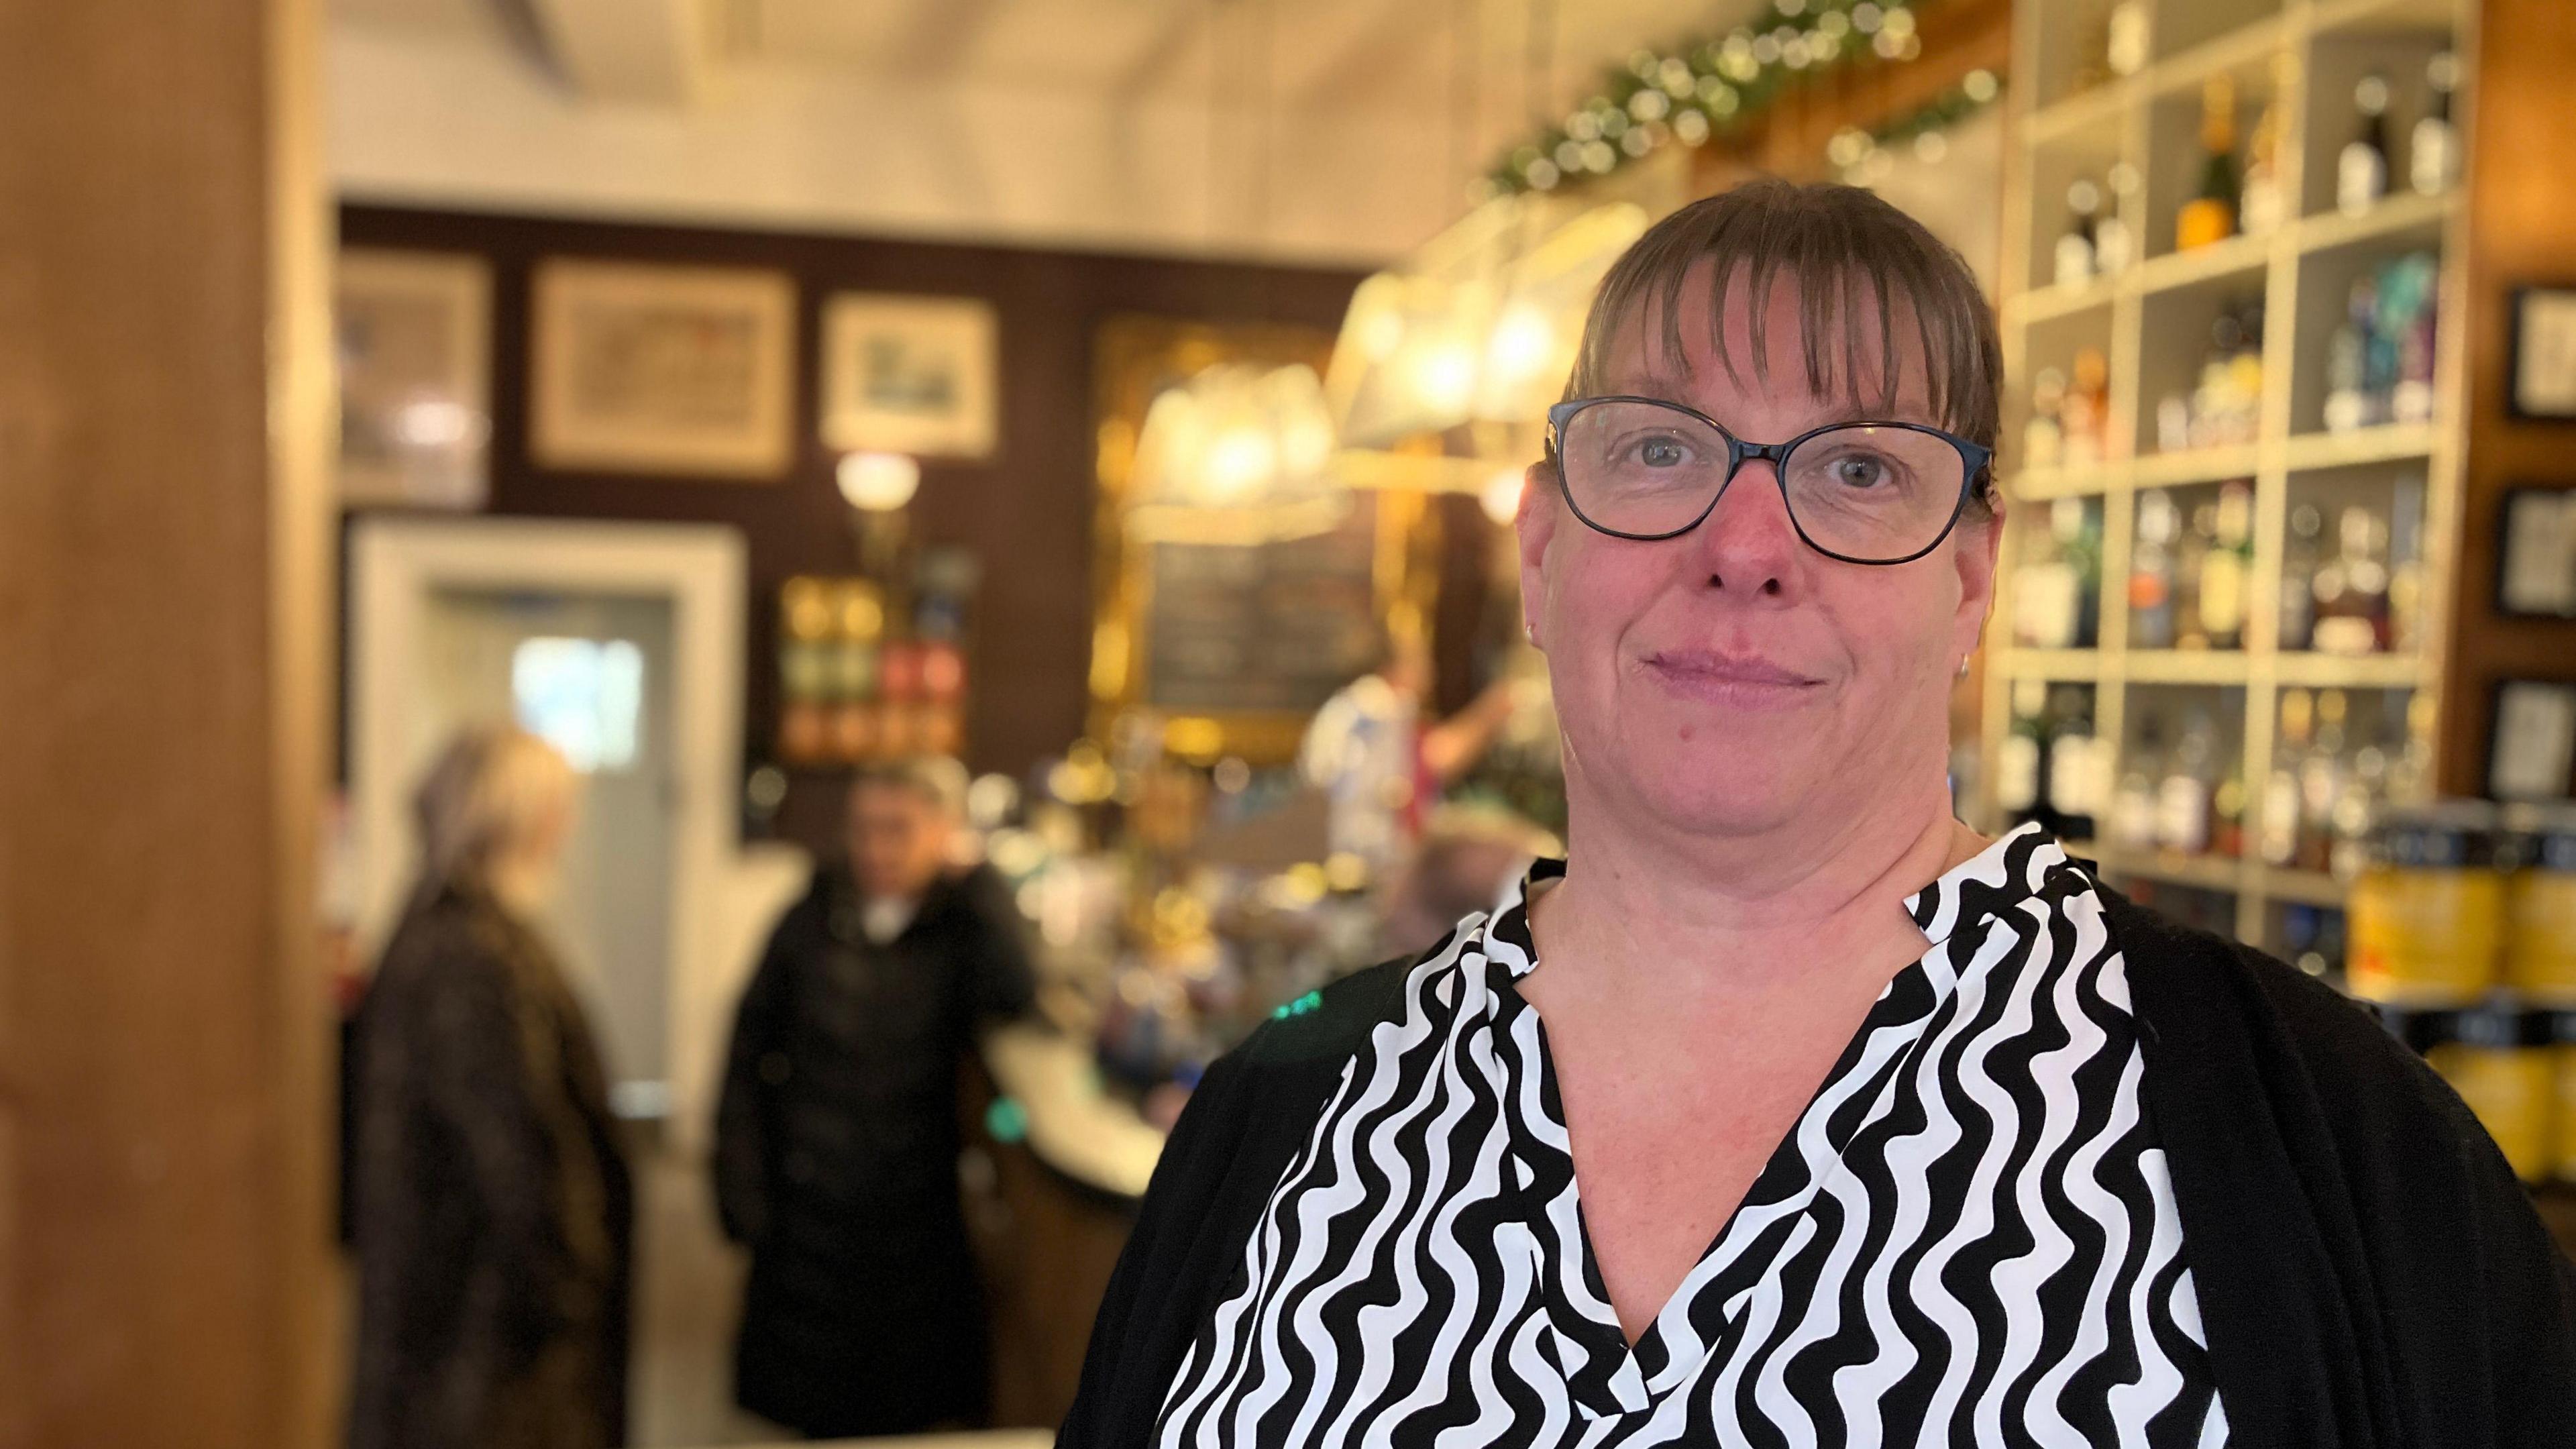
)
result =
(490, 1202)
(837, 1136)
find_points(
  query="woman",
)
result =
(492, 1213)
(1786, 1110)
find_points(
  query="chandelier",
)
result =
(1237, 455)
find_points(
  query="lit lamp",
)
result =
(877, 486)
(1446, 365)
(1237, 455)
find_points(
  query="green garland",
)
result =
(1709, 88)
(1852, 148)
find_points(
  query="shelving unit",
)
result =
(2305, 54)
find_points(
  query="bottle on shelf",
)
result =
(2133, 803)
(2086, 414)
(2260, 206)
(2224, 573)
(2281, 815)
(2227, 811)
(2357, 808)
(2125, 37)
(2405, 562)
(2022, 759)
(2321, 782)
(2301, 554)
(2433, 147)
(2351, 589)
(2191, 562)
(2348, 401)
(2210, 216)
(2225, 405)
(2074, 764)
(2075, 261)
(2151, 571)
(2186, 792)
(2114, 246)
(2055, 591)
(2406, 317)
(2361, 170)
(2043, 438)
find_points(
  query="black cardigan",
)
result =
(2370, 1274)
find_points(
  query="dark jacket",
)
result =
(491, 1208)
(836, 1158)
(2369, 1273)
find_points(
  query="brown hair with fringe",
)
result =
(1863, 270)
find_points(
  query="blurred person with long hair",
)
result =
(837, 1137)
(492, 1204)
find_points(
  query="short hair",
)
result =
(483, 797)
(1854, 257)
(937, 779)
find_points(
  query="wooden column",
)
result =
(164, 425)
(2521, 230)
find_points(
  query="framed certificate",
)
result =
(2536, 555)
(2533, 752)
(656, 369)
(2544, 354)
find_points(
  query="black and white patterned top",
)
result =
(1969, 1237)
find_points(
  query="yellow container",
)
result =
(2540, 932)
(2514, 1092)
(2427, 917)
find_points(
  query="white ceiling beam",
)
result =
(648, 51)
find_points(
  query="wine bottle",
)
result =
(2224, 572)
(2151, 572)
(2300, 558)
(2210, 216)
(2075, 254)
(2260, 207)
(2073, 767)
(2361, 172)
(2433, 150)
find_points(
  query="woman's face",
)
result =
(1733, 679)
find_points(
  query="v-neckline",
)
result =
(1605, 1371)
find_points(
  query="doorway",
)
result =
(622, 644)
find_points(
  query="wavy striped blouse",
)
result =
(1968, 1237)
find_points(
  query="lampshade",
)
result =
(1446, 365)
(1237, 455)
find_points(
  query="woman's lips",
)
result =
(1740, 680)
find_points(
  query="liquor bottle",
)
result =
(2210, 216)
(2151, 572)
(2259, 207)
(2408, 303)
(2088, 410)
(2280, 816)
(2300, 556)
(2022, 756)
(2433, 149)
(2114, 245)
(2405, 563)
(2075, 257)
(2073, 766)
(2078, 530)
(2224, 572)
(2227, 811)
(2321, 779)
(2133, 804)
(2043, 438)
(2191, 560)
(2356, 809)
(2351, 589)
(2361, 172)
(2044, 606)
(2125, 38)
(2348, 362)
(2184, 795)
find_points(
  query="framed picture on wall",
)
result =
(2536, 571)
(413, 332)
(2532, 754)
(2543, 385)
(639, 368)
(910, 375)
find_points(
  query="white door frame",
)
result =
(398, 562)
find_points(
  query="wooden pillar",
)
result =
(2521, 230)
(165, 414)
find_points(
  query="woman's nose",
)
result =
(1747, 544)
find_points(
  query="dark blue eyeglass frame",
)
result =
(1973, 459)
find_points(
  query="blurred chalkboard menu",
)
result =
(1273, 628)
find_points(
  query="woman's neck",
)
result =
(1749, 912)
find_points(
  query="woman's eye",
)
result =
(1662, 452)
(1859, 470)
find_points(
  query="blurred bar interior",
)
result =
(1129, 402)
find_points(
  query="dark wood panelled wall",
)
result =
(1027, 513)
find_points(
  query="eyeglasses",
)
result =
(1866, 493)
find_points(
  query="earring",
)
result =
(1963, 669)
